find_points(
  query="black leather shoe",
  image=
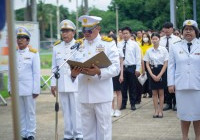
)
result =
(133, 107)
(67, 139)
(24, 138)
(174, 108)
(30, 138)
(167, 107)
(79, 138)
(123, 107)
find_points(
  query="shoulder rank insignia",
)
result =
(106, 38)
(32, 50)
(80, 40)
(57, 42)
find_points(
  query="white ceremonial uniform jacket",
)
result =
(183, 67)
(98, 89)
(28, 66)
(61, 52)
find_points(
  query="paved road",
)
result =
(132, 125)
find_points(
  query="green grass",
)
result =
(46, 61)
(4, 91)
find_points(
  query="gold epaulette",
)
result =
(33, 50)
(106, 38)
(57, 42)
(80, 40)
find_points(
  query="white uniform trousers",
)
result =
(71, 113)
(27, 116)
(96, 121)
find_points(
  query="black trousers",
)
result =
(139, 91)
(129, 84)
(169, 98)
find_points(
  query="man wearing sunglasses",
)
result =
(67, 89)
(28, 67)
(95, 84)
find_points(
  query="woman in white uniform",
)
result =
(156, 62)
(184, 78)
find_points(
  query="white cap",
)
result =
(67, 24)
(23, 32)
(190, 23)
(89, 21)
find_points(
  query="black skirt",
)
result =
(116, 83)
(163, 81)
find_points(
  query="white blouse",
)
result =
(156, 56)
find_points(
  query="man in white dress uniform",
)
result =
(95, 84)
(28, 66)
(184, 78)
(68, 90)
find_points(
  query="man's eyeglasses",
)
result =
(22, 37)
(88, 31)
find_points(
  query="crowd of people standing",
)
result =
(168, 59)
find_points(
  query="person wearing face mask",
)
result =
(156, 62)
(145, 45)
(184, 78)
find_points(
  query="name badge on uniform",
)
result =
(196, 53)
(100, 48)
(181, 52)
(58, 53)
(27, 58)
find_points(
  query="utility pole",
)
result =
(77, 35)
(34, 10)
(58, 20)
(173, 12)
(86, 12)
(183, 10)
(51, 29)
(195, 10)
(117, 23)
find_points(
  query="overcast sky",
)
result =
(100, 4)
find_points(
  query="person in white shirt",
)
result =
(132, 65)
(68, 89)
(167, 41)
(95, 84)
(184, 78)
(28, 67)
(156, 62)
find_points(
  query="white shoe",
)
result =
(112, 112)
(117, 113)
